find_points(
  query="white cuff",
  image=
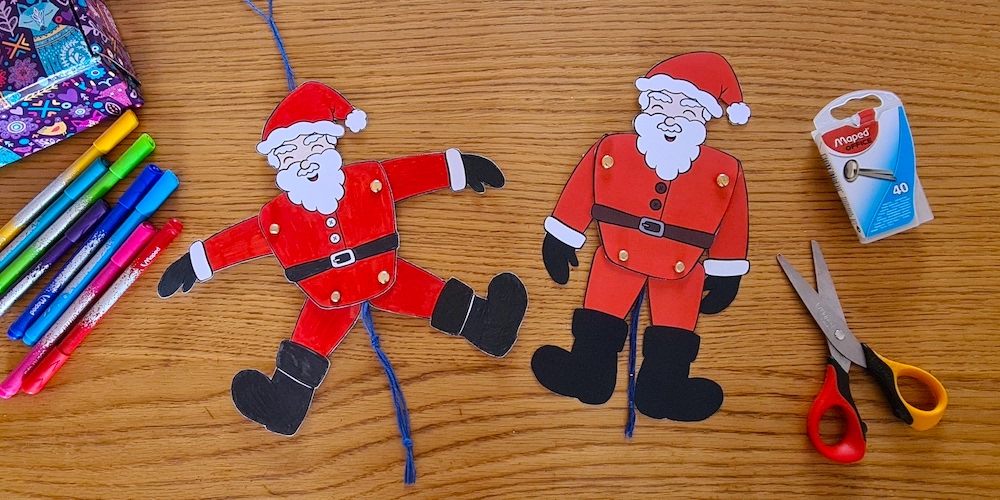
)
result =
(564, 233)
(727, 267)
(456, 169)
(199, 261)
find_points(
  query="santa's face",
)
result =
(671, 129)
(309, 171)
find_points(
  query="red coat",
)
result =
(296, 236)
(709, 198)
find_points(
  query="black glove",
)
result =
(178, 276)
(479, 171)
(721, 292)
(558, 256)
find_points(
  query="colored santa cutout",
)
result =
(662, 200)
(333, 231)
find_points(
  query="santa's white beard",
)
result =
(669, 158)
(316, 183)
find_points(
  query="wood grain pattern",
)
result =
(143, 410)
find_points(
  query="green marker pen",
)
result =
(142, 147)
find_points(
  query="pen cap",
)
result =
(117, 132)
(40, 375)
(171, 229)
(140, 186)
(132, 245)
(86, 179)
(132, 157)
(158, 194)
(87, 221)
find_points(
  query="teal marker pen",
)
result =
(149, 204)
(75, 190)
(139, 150)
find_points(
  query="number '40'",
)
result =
(900, 188)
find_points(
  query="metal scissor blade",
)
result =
(838, 357)
(824, 282)
(829, 317)
(803, 288)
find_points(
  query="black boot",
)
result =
(663, 388)
(490, 324)
(590, 370)
(281, 402)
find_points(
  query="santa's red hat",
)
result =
(310, 109)
(703, 76)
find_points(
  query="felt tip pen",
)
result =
(38, 226)
(152, 201)
(50, 364)
(115, 134)
(76, 233)
(99, 284)
(12, 384)
(116, 172)
(135, 192)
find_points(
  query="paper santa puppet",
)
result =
(672, 217)
(333, 231)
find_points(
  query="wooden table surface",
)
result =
(143, 410)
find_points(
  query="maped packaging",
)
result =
(872, 163)
(63, 69)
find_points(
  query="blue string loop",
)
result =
(269, 18)
(402, 414)
(633, 333)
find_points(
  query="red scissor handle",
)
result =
(836, 392)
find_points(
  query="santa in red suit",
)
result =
(662, 200)
(333, 231)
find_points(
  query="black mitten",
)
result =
(558, 256)
(178, 276)
(479, 171)
(722, 291)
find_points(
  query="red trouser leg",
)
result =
(322, 329)
(414, 293)
(611, 289)
(676, 302)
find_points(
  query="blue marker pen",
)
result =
(38, 226)
(149, 204)
(128, 201)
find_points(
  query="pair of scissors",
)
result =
(845, 350)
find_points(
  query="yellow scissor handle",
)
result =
(886, 373)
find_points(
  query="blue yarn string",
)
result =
(269, 18)
(633, 333)
(402, 414)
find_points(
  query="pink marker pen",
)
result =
(12, 384)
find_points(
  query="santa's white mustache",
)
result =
(672, 129)
(307, 169)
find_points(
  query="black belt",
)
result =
(652, 227)
(343, 258)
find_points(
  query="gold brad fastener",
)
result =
(274, 229)
(376, 185)
(623, 255)
(383, 277)
(722, 180)
(679, 267)
(335, 297)
(607, 161)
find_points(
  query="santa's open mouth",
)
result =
(313, 177)
(670, 138)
